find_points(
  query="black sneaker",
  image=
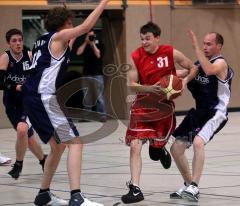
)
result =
(78, 199)
(160, 154)
(42, 162)
(16, 170)
(47, 198)
(134, 195)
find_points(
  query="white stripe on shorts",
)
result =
(57, 117)
(211, 126)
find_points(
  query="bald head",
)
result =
(212, 44)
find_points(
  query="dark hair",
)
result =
(152, 28)
(219, 38)
(12, 32)
(56, 18)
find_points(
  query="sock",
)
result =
(43, 190)
(194, 184)
(19, 162)
(75, 191)
(41, 162)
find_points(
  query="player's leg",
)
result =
(135, 161)
(213, 121)
(134, 194)
(74, 165)
(35, 147)
(198, 159)
(183, 139)
(45, 197)
(157, 150)
(177, 150)
(22, 141)
(14, 115)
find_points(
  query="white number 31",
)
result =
(162, 62)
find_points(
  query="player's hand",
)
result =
(19, 88)
(193, 39)
(157, 89)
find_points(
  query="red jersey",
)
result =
(152, 67)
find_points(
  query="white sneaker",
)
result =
(90, 203)
(78, 199)
(178, 194)
(4, 160)
(191, 193)
(56, 201)
(49, 199)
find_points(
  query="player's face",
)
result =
(150, 43)
(16, 44)
(210, 46)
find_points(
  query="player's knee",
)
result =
(198, 143)
(136, 146)
(22, 131)
(58, 148)
(177, 148)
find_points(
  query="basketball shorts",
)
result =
(204, 123)
(48, 119)
(16, 115)
(151, 124)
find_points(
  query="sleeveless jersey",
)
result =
(47, 72)
(152, 67)
(210, 92)
(17, 72)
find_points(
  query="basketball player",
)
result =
(50, 59)
(151, 62)
(14, 69)
(211, 91)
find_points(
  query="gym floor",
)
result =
(106, 170)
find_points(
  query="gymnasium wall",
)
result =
(174, 23)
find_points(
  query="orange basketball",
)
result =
(172, 86)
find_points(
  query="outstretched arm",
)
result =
(66, 34)
(186, 64)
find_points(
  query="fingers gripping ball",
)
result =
(172, 86)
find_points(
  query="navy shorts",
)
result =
(16, 115)
(48, 119)
(204, 123)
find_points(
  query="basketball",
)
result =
(172, 86)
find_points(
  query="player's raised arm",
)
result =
(66, 34)
(219, 67)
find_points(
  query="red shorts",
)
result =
(155, 124)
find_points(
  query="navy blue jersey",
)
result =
(47, 72)
(17, 72)
(210, 92)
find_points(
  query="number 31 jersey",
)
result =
(152, 67)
